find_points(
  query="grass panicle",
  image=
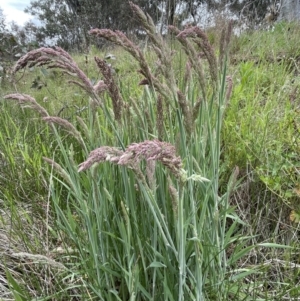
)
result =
(160, 118)
(111, 86)
(101, 154)
(68, 126)
(154, 150)
(55, 57)
(28, 100)
(201, 40)
(120, 39)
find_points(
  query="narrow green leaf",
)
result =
(273, 245)
(242, 274)
(236, 256)
(15, 288)
(157, 264)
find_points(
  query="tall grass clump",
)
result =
(134, 195)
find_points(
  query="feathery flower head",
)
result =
(150, 150)
(27, 99)
(54, 57)
(101, 154)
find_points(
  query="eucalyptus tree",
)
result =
(68, 21)
(2, 20)
(59, 23)
(8, 43)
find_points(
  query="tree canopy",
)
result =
(67, 22)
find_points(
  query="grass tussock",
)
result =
(170, 173)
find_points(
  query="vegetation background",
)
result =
(158, 167)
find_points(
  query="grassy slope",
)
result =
(260, 136)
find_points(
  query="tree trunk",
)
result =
(290, 10)
(171, 7)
